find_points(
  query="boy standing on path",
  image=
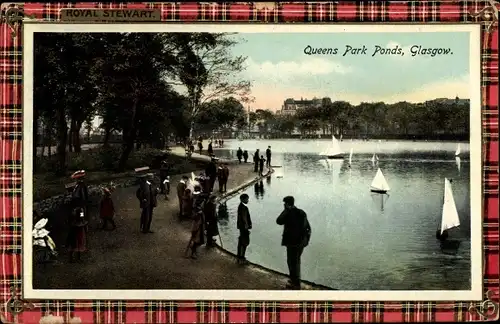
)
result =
(244, 225)
(296, 235)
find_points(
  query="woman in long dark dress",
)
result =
(77, 237)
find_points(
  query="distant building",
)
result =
(448, 101)
(290, 106)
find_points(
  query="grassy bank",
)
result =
(100, 165)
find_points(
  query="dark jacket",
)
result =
(244, 221)
(268, 153)
(256, 157)
(239, 153)
(297, 230)
(146, 195)
(211, 170)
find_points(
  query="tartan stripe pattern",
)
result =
(258, 312)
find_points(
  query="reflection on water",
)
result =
(362, 240)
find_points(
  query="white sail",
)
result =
(334, 149)
(350, 157)
(379, 182)
(449, 216)
(373, 158)
(457, 160)
(457, 152)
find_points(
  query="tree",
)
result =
(207, 69)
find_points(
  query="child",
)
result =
(261, 165)
(107, 210)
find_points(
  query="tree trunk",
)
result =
(62, 134)
(77, 145)
(70, 136)
(107, 135)
(129, 137)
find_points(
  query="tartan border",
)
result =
(223, 311)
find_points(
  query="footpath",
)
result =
(128, 259)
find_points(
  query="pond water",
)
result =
(360, 240)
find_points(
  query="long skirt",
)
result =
(78, 239)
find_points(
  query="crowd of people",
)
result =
(197, 203)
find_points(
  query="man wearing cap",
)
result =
(296, 236)
(146, 194)
(268, 157)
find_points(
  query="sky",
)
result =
(278, 67)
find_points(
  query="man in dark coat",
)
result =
(211, 173)
(181, 187)
(210, 149)
(244, 225)
(256, 159)
(220, 177)
(210, 212)
(239, 154)
(146, 193)
(296, 235)
(268, 156)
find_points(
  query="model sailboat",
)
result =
(457, 160)
(374, 158)
(350, 157)
(379, 184)
(334, 152)
(458, 151)
(449, 214)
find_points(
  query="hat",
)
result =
(78, 174)
(41, 223)
(141, 172)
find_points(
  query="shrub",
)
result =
(108, 157)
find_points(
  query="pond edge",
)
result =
(230, 194)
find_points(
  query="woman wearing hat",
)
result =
(107, 210)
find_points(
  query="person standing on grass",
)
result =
(256, 159)
(107, 210)
(239, 154)
(268, 156)
(296, 236)
(244, 225)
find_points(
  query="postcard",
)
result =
(375, 131)
(284, 165)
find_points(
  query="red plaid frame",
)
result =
(262, 312)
